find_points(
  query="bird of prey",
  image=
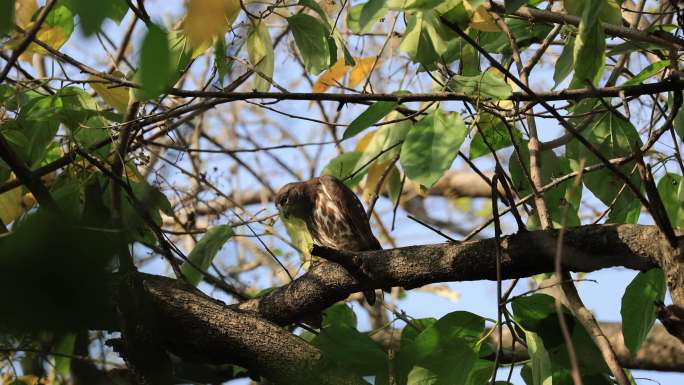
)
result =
(324, 211)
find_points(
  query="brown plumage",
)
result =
(333, 214)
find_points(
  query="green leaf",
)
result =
(422, 376)
(147, 198)
(455, 325)
(455, 12)
(339, 314)
(312, 4)
(485, 86)
(491, 131)
(565, 62)
(220, 62)
(647, 72)
(6, 92)
(426, 39)
(440, 367)
(61, 17)
(539, 356)
(671, 191)
(394, 184)
(513, 5)
(65, 348)
(611, 13)
(204, 252)
(431, 146)
(404, 5)
(117, 10)
(154, 56)
(678, 123)
(6, 16)
(370, 116)
(312, 41)
(78, 107)
(531, 310)
(16, 138)
(552, 167)
(69, 195)
(590, 45)
(613, 136)
(181, 54)
(362, 17)
(385, 144)
(410, 332)
(634, 46)
(346, 346)
(39, 121)
(638, 307)
(261, 54)
(434, 349)
(93, 13)
(343, 166)
(481, 373)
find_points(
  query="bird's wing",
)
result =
(354, 212)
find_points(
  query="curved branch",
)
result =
(198, 328)
(586, 248)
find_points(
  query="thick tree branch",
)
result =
(201, 329)
(586, 248)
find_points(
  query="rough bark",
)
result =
(198, 328)
(587, 248)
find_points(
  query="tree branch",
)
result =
(586, 248)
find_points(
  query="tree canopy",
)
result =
(523, 142)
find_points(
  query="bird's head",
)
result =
(292, 200)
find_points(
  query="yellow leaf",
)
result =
(23, 11)
(361, 70)
(206, 19)
(375, 172)
(330, 76)
(115, 96)
(28, 200)
(480, 19)
(364, 141)
(52, 36)
(11, 205)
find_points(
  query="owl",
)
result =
(329, 214)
